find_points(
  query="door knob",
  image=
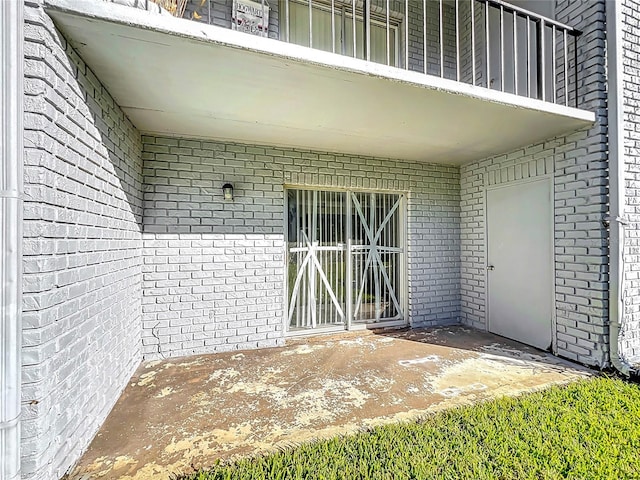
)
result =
(490, 267)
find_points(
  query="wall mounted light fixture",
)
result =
(227, 191)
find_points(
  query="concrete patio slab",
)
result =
(179, 414)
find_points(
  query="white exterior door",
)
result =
(519, 267)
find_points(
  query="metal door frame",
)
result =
(402, 287)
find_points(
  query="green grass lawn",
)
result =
(587, 430)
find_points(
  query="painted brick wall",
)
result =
(580, 169)
(213, 271)
(82, 252)
(630, 332)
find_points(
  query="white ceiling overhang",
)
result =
(183, 78)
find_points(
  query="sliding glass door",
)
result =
(345, 258)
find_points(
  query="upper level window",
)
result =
(343, 18)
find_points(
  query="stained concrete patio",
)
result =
(180, 414)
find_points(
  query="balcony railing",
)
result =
(487, 43)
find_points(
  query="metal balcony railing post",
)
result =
(486, 46)
(553, 64)
(528, 20)
(457, 40)
(566, 68)
(388, 36)
(353, 22)
(540, 43)
(515, 53)
(502, 48)
(367, 29)
(424, 35)
(441, 42)
(287, 20)
(310, 23)
(406, 34)
(333, 26)
(473, 41)
(575, 67)
(343, 26)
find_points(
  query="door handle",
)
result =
(490, 268)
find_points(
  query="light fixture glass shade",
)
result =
(227, 191)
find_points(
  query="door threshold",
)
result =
(315, 332)
(392, 325)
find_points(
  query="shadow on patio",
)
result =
(184, 413)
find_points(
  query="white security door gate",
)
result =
(345, 258)
(520, 271)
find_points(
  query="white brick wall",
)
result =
(580, 168)
(630, 332)
(82, 242)
(213, 271)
